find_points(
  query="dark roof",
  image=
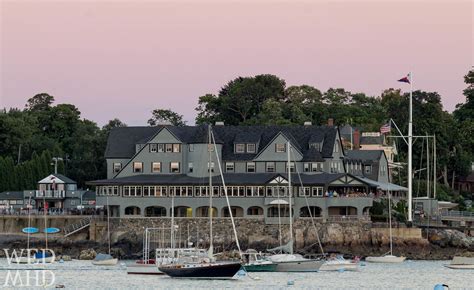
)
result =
(11, 195)
(366, 156)
(230, 179)
(371, 140)
(122, 140)
(66, 179)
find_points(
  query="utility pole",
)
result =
(56, 159)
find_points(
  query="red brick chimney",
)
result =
(330, 122)
(356, 139)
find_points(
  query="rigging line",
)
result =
(401, 134)
(226, 196)
(309, 210)
(421, 164)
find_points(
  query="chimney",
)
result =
(356, 136)
(308, 123)
(330, 122)
(219, 123)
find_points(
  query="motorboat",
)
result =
(104, 260)
(295, 263)
(461, 263)
(338, 263)
(255, 262)
(385, 259)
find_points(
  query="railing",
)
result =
(457, 213)
(83, 223)
(50, 193)
(347, 218)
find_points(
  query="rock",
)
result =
(66, 258)
(88, 254)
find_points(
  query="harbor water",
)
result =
(83, 275)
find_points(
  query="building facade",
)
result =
(151, 168)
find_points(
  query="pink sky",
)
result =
(123, 59)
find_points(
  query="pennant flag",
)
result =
(405, 79)
(386, 128)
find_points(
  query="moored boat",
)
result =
(295, 263)
(217, 270)
(385, 259)
(338, 263)
(255, 262)
(461, 263)
(104, 260)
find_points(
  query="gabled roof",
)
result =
(366, 156)
(58, 178)
(122, 140)
(11, 195)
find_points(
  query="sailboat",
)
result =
(207, 268)
(44, 256)
(29, 230)
(389, 257)
(289, 261)
(106, 259)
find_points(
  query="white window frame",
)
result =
(304, 191)
(228, 166)
(161, 148)
(153, 148)
(280, 148)
(250, 165)
(190, 167)
(176, 148)
(274, 166)
(317, 191)
(292, 167)
(171, 167)
(212, 166)
(169, 148)
(239, 148)
(134, 168)
(191, 147)
(249, 145)
(153, 167)
(306, 167)
(117, 167)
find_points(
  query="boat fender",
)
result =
(290, 283)
(440, 286)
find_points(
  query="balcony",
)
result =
(50, 194)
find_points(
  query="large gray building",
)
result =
(148, 165)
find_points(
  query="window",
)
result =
(117, 167)
(317, 191)
(314, 145)
(137, 167)
(161, 147)
(190, 167)
(153, 148)
(316, 166)
(250, 166)
(292, 166)
(304, 191)
(229, 167)
(239, 148)
(251, 148)
(368, 169)
(333, 167)
(336, 146)
(191, 147)
(211, 167)
(270, 167)
(156, 167)
(306, 167)
(174, 167)
(280, 148)
(169, 148)
(382, 170)
(176, 148)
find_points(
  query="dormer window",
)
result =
(280, 148)
(153, 148)
(239, 148)
(314, 146)
(169, 148)
(251, 148)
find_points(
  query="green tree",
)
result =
(160, 116)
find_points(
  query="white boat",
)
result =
(339, 264)
(295, 263)
(104, 260)
(143, 269)
(461, 263)
(26, 260)
(385, 259)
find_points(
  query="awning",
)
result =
(386, 186)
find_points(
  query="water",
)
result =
(409, 275)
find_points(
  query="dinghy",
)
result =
(104, 260)
(385, 259)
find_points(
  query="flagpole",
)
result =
(410, 144)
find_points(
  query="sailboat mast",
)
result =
(390, 220)
(410, 153)
(29, 224)
(172, 220)
(45, 221)
(211, 246)
(289, 198)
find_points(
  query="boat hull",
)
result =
(200, 271)
(385, 259)
(108, 262)
(143, 269)
(299, 266)
(460, 267)
(260, 268)
(339, 267)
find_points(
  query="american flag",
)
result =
(385, 128)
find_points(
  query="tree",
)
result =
(160, 116)
(114, 123)
(39, 103)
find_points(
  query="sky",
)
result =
(122, 59)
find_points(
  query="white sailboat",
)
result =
(389, 257)
(106, 259)
(289, 261)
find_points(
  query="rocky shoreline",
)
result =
(440, 245)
